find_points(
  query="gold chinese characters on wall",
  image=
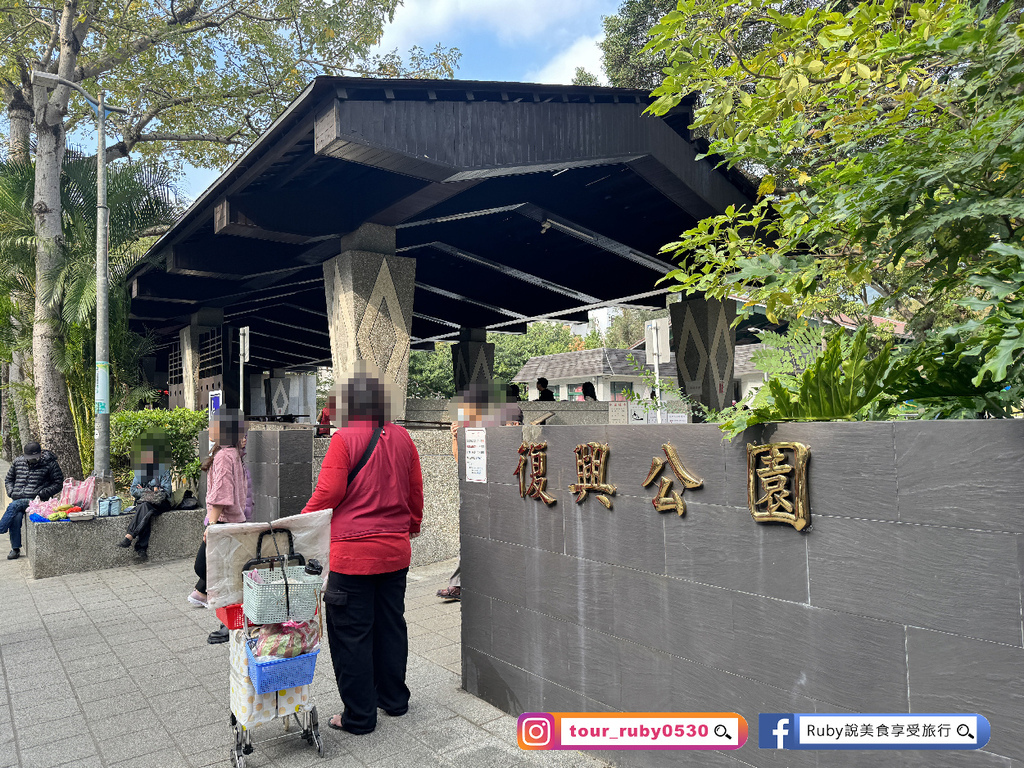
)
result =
(591, 466)
(777, 483)
(776, 479)
(663, 502)
(534, 455)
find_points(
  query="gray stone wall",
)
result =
(439, 538)
(905, 594)
(55, 549)
(566, 413)
(427, 410)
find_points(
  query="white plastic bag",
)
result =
(229, 547)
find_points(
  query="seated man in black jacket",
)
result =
(37, 473)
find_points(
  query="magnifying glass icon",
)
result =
(964, 730)
(720, 731)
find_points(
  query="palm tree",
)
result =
(140, 197)
(17, 287)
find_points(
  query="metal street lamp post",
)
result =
(101, 463)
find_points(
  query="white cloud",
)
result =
(426, 22)
(583, 52)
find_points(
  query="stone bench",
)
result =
(55, 549)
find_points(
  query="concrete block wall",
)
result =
(439, 538)
(56, 549)
(904, 596)
(281, 464)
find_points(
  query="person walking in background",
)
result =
(151, 488)
(371, 478)
(324, 419)
(35, 473)
(226, 488)
(478, 407)
(454, 589)
(512, 414)
(469, 412)
(544, 394)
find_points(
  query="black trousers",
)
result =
(200, 566)
(140, 527)
(369, 644)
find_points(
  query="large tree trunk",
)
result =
(19, 111)
(6, 420)
(56, 427)
(18, 410)
(24, 412)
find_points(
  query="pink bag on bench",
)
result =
(78, 493)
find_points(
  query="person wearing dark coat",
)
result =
(544, 393)
(36, 473)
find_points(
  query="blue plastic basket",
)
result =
(279, 674)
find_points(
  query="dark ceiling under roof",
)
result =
(516, 200)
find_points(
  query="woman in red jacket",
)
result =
(371, 479)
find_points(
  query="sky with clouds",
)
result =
(526, 40)
(536, 41)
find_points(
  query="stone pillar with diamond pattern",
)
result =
(472, 359)
(369, 305)
(705, 344)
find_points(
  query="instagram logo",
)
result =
(535, 729)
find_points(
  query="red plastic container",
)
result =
(231, 616)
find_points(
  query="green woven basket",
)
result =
(272, 602)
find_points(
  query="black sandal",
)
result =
(450, 593)
(218, 636)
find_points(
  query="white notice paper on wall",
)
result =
(476, 455)
(652, 417)
(618, 412)
(637, 414)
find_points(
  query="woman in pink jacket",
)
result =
(226, 486)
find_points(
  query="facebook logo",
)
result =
(775, 729)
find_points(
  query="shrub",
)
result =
(182, 427)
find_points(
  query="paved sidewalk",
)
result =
(112, 668)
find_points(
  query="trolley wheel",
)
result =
(314, 727)
(238, 757)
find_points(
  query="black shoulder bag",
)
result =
(366, 454)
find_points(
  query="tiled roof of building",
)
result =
(743, 365)
(588, 363)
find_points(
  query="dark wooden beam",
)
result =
(459, 216)
(228, 219)
(427, 197)
(283, 146)
(456, 141)
(467, 300)
(518, 274)
(291, 340)
(549, 220)
(161, 286)
(297, 169)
